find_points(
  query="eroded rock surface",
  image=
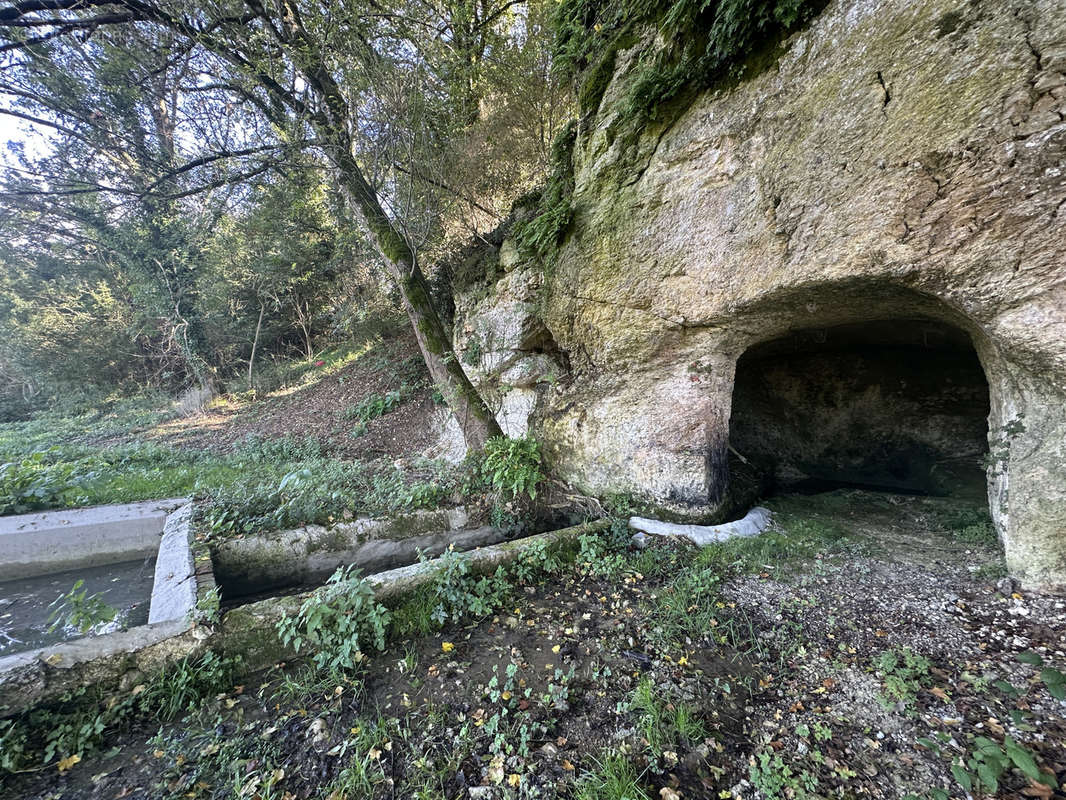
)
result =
(901, 161)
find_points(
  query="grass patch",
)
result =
(664, 724)
(615, 778)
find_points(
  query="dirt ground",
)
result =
(864, 666)
(317, 408)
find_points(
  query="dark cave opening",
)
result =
(899, 405)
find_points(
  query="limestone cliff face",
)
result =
(901, 161)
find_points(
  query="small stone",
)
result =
(1005, 586)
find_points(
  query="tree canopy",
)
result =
(198, 160)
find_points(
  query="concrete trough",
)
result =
(61, 541)
(254, 564)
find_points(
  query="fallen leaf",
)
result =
(66, 763)
(514, 779)
(447, 647)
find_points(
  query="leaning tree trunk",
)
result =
(434, 340)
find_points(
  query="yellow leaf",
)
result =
(506, 695)
(447, 647)
(555, 649)
(567, 765)
(66, 763)
(514, 779)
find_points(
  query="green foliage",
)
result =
(904, 674)
(372, 407)
(1053, 679)
(540, 236)
(340, 621)
(979, 763)
(513, 465)
(79, 610)
(699, 43)
(178, 688)
(615, 778)
(461, 594)
(77, 722)
(982, 768)
(31, 484)
(458, 593)
(664, 725)
(604, 556)
(776, 780)
(969, 525)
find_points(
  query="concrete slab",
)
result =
(174, 589)
(54, 541)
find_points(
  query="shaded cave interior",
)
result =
(897, 405)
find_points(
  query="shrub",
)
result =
(460, 594)
(341, 620)
(33, 484)
(513, 465)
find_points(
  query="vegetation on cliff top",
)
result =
(696, 44)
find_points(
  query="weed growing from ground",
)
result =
(777, 780)
(615, 778)
(341, 622)
(664, 724)
(76, 723)
(904, 673)
(513, 465)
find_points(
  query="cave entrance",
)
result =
(899, 405)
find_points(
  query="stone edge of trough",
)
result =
(257, 563)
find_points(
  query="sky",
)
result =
(12, 129)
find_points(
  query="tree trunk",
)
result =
(255, 342)
(476, 420)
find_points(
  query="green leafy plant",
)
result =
(33, 483)
(79, 609)
(374, 406)
(982, 769)
(340, 621)
(1053, 679)
(775, 779)
(461, 594)
(513, 465)
(904, 673)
